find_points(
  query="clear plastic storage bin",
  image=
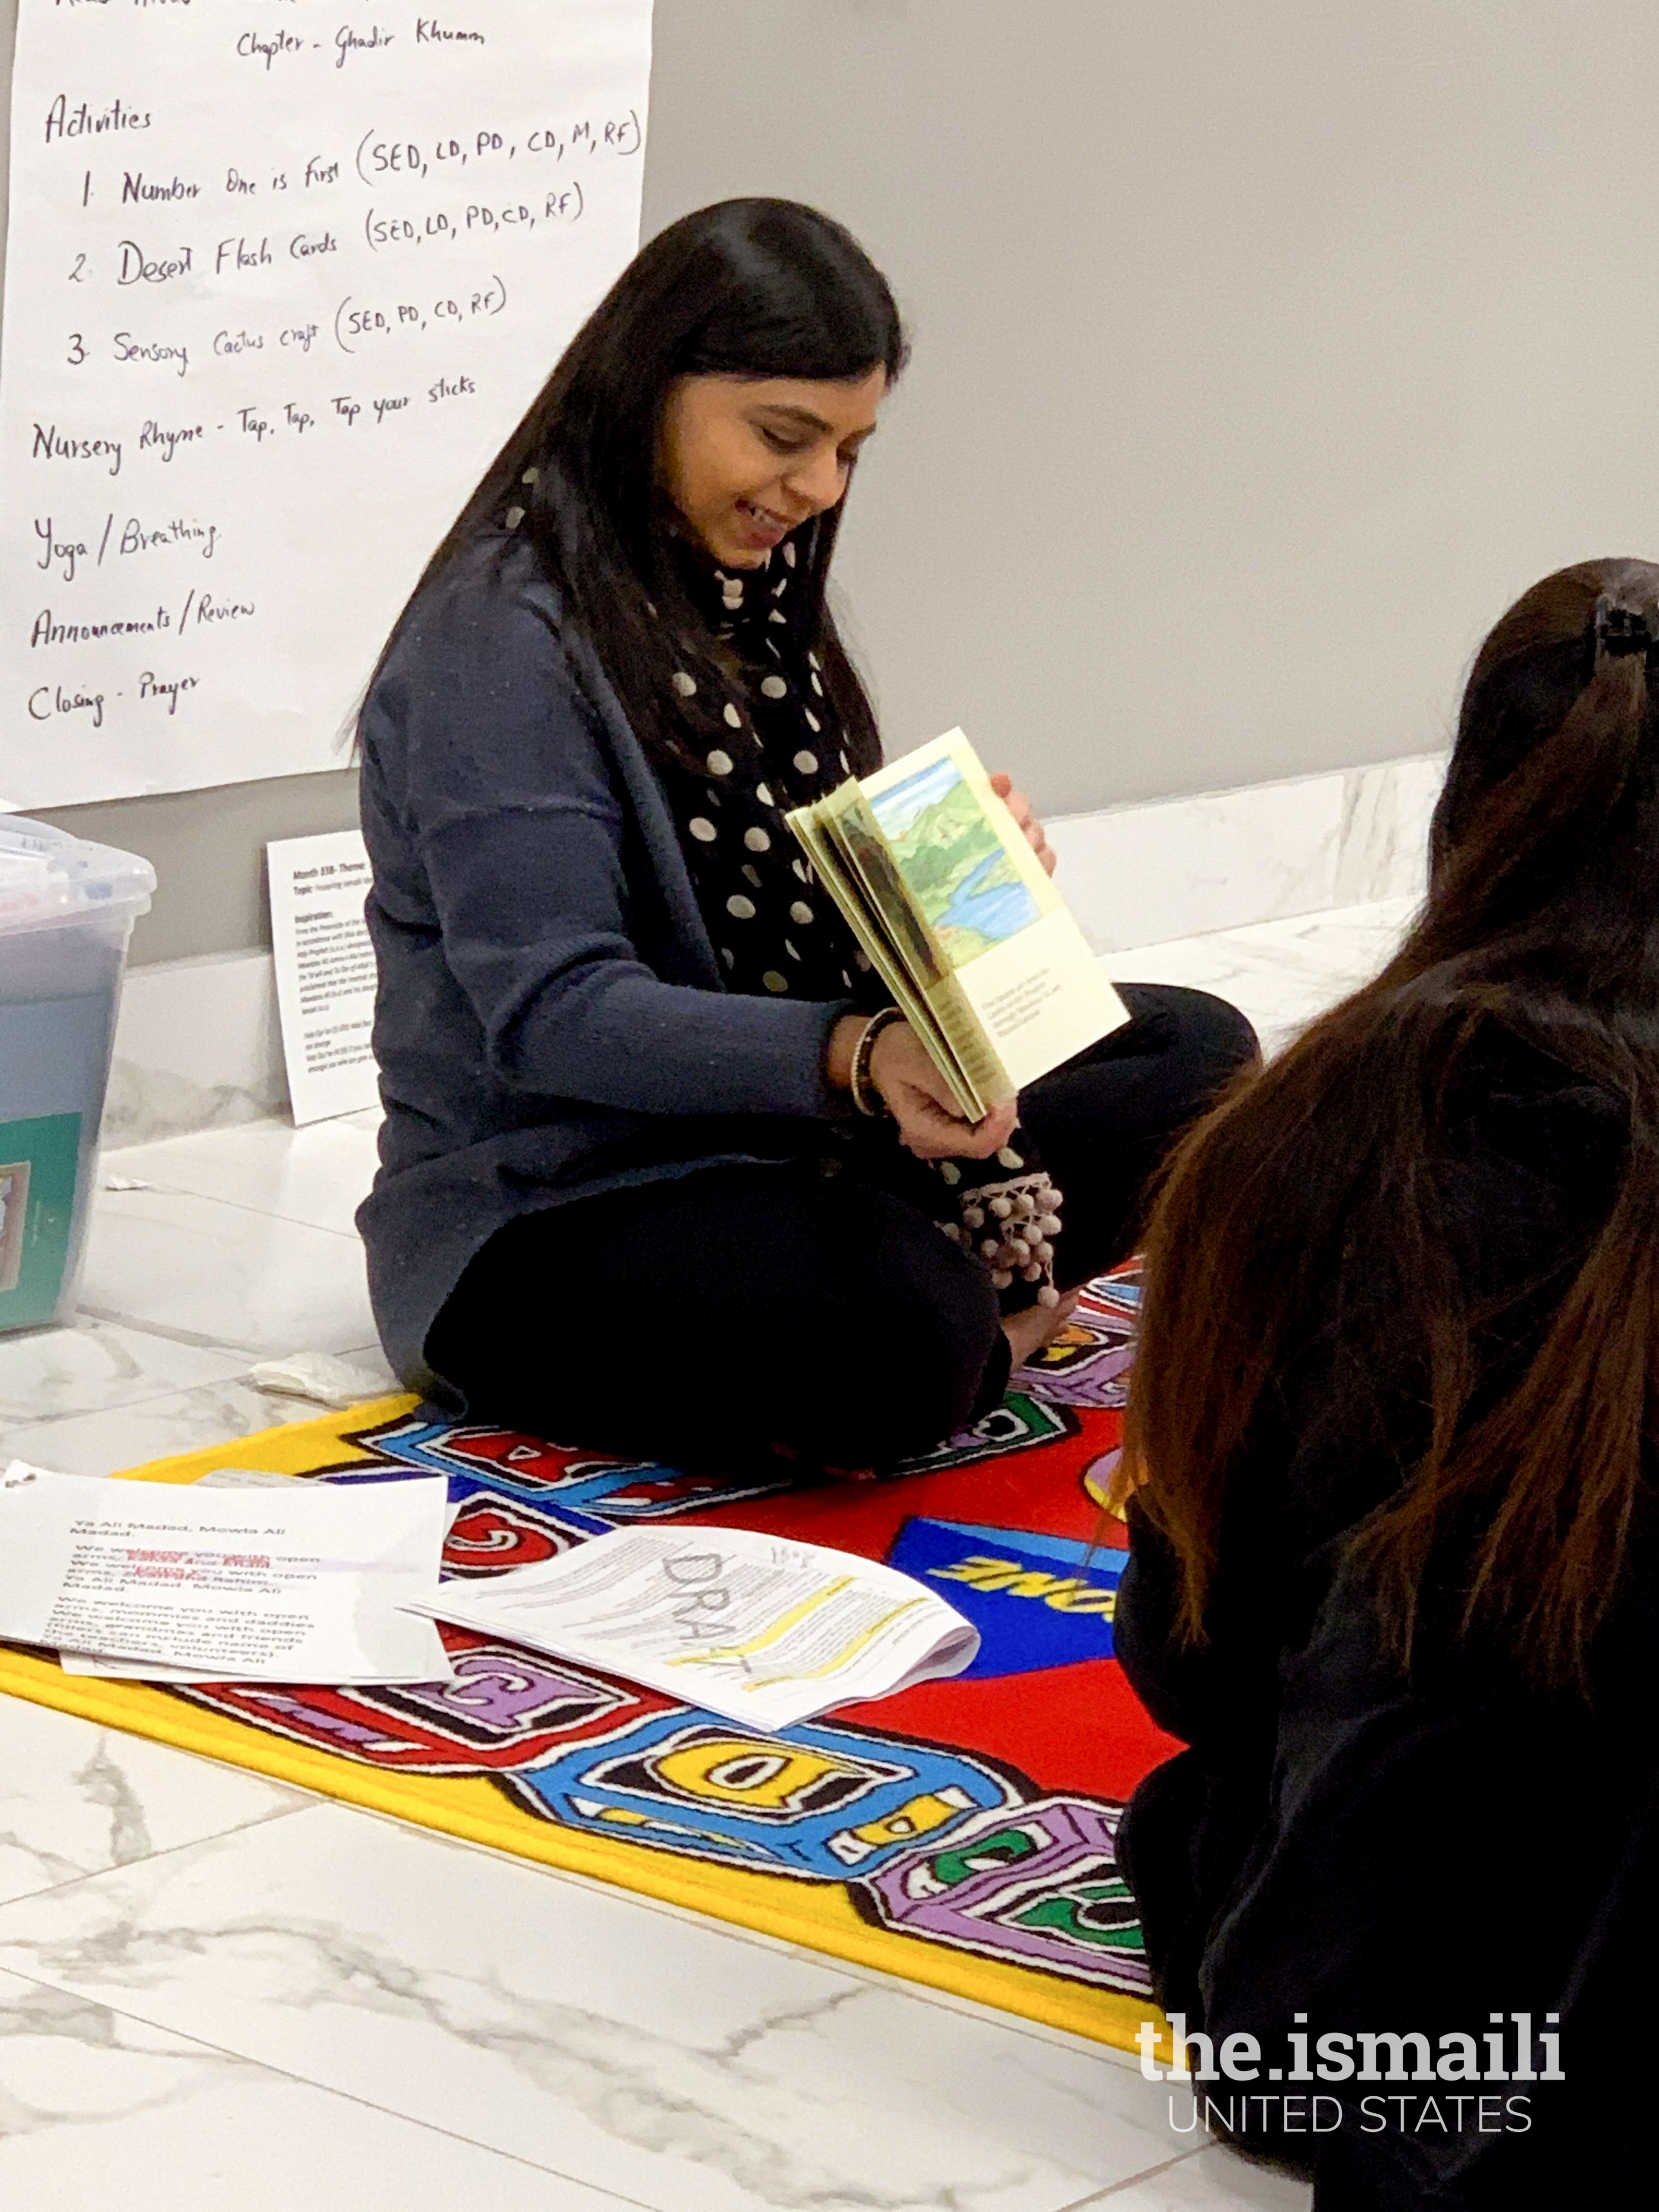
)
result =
(66, 913)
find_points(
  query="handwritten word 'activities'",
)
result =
(282, 275)
(756, 1628)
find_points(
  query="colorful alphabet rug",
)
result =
(960, 1833)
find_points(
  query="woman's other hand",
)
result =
(1020, 807)
(920, 1101)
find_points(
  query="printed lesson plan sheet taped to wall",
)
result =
(755, 1627)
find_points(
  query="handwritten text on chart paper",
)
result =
(282, 275)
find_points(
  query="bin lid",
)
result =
(46, 877)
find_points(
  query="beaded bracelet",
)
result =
(858, 1077)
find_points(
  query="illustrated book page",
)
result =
(946, 895)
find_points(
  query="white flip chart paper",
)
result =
(281, 277)
(325, 971)
(307, 1584)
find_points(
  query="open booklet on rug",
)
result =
(757, 1628)
(311, 1583)
(958, 916)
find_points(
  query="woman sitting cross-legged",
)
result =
(1389, 1480)
(625, 1198)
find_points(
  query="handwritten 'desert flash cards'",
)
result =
(281, 280)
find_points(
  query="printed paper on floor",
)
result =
(755, 1627)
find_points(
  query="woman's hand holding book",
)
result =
(916, 1095)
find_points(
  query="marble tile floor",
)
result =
(1281, 974)
(216, 1990)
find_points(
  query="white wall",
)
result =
(1265, 348)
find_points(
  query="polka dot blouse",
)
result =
(777, 931)
(774, 928)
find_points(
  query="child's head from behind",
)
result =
(1311, 1207)
(1548, 831)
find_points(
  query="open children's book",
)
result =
(960, 921)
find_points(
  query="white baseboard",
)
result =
(196, 1047)
(199, 1047)
(1184, 867)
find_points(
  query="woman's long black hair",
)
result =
(752, 288)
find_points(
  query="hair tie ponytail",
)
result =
(1626, 618)
(1622, 629)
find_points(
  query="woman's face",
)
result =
(748, 460)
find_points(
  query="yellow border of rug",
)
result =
(816, 1918)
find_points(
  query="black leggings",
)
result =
(732, 1312)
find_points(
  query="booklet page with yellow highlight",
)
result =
(759, 1629)
(959, 918)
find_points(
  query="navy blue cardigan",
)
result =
(551, 1019)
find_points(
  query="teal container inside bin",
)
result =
(67, 909)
